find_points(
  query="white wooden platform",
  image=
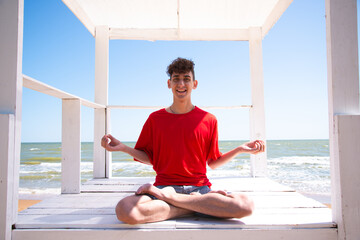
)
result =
(280, 212)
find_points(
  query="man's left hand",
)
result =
(254, 147)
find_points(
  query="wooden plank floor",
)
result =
(277, 207)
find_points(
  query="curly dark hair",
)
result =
(181, 65)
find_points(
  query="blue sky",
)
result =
(59, 51)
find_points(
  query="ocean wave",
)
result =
(31, 163)
(40, 191)
(44, 159)
(301, 160)
(37, 177)
(34, 149)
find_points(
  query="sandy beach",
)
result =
(28, 199)
(25, 203)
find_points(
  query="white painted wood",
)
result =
(68, 211)
(347, 139)
(101, 97)
(343, 92)
(278, 212)
(180, 34)
(110, 188)
(38, 86)
(275, 212)
(225, 183)
(257, 112)
(11, 32)
(120, 180)
(274, 16)
(86, 195)
(271, 221)
(7, 122)
(75, 7)
(99, 154)
(178, 19)
(263, 200)
(248, 184)
(101, 64)
(206, 234)
(80, 203)
(71, 146)
(108, 155)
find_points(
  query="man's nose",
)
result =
(181, 82)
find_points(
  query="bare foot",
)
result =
(222, 192)
(195, 193)
(152, 190)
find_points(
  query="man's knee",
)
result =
(245, 206)
(127, 212)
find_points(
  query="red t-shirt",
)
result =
(179, 146)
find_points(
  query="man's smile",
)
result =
(181, 91)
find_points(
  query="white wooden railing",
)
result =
(71, 125)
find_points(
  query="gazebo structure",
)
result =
(220, 20)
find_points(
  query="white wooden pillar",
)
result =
(108, 155)
(344, 132)
(257, 112)
(11, 32)
(101, 157)
(71, 146)
(7, 123)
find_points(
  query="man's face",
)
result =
(182, 84)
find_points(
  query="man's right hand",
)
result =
(111, 144)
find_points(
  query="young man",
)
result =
(179, 141)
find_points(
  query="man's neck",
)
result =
(181, 107)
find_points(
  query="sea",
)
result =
(303, 165)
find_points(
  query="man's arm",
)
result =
(253, 147)
(112, 144)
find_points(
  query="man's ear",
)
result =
(168, 82)
(195, 84)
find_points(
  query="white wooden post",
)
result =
(257, 112)
(347, 141)
(101, 97)
(344, 132)
(108, 154)
(71, 146)
(6, 174)
(11, 32)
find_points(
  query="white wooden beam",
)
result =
(79, 12)
(6, 174)
(178, 234)
(101, 97)
(176, 34)
(275, 15)
(343, 92)
(71, 146)
(257, 112)
(41, 87)
(11, 32)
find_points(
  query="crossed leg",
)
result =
(138, 208)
